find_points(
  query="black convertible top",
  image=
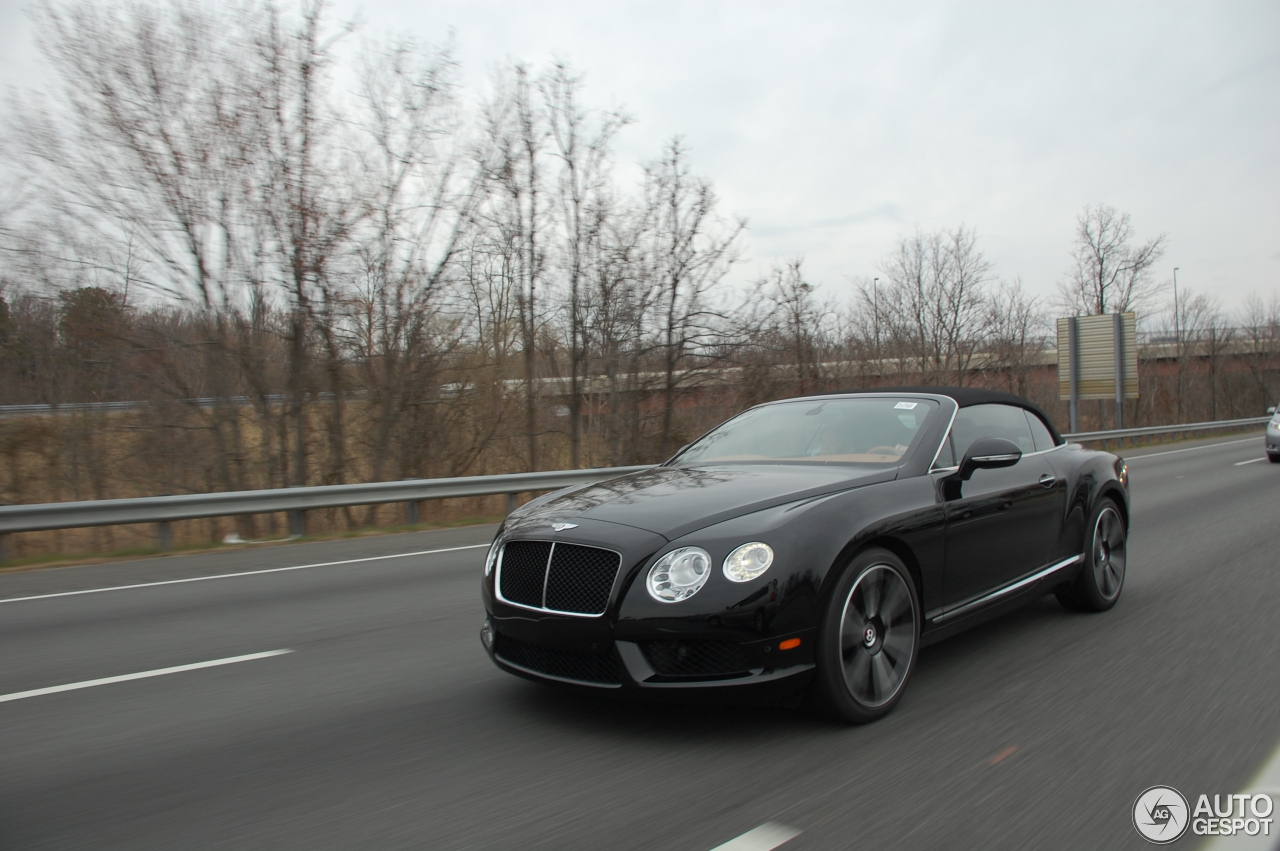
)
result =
(966, 396)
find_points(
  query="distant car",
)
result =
(808, 544)
(1273, 436)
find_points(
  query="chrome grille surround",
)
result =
(573, 579)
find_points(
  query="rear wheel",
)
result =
(1101, 577)
(869, 639)
(1274, 459)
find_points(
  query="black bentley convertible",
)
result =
(813, 543)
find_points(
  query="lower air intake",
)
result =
(599, 669)
(697, 659)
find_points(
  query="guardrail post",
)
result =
(410, 508)
(164, 535)
(297, 523)
(511, 502)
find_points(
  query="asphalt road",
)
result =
(386, 727)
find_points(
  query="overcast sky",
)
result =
(833, 128)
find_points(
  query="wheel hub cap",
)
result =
(873, 636)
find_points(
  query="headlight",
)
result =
(1274, 425)
(679, 574)
(748, 561)
(492, 559)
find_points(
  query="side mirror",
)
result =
(1271, 410)
(988, 453)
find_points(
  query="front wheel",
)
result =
(869, 639)
(1101, 577)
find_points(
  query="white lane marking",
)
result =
(243, 573)
(1188, 449)
(159, 672)
(763, 838)
(1266, 783)
(1250, 461)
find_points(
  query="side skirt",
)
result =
(971, 612)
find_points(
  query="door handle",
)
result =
(1047, 481)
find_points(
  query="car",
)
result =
(1273, 436)
(806, 549)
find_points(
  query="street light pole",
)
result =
(1175, 302)
(875, 307)
(1177, 339)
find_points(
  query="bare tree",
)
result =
(689, 251)
(1260, 338)
(144, 148)
(1109, 274)
(620, 300)
(518, 214)
(933, 310)
(421, 192)
(786, 323)
(1016, 334)
(581, 141)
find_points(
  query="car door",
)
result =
(1003, 523)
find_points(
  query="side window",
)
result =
(991, 421)
(1039, 432)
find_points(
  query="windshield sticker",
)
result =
(906, 406)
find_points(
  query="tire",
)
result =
(868, 640)
(1274, 459)
(1101, 577)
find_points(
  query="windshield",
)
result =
(830, 431)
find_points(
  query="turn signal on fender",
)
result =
(789, 644)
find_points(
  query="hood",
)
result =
(674, 501)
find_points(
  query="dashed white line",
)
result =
(763, 838)
(1250, 461)
(141, 675)
(242, 573)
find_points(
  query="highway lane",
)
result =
(387, 727)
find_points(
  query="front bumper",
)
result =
(551, 623)
(596, 654)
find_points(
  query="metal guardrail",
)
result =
(1155, 431)
(162, 510)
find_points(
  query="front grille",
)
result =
(557, 577)
(524, 571)
(581, 667)
(696, 659)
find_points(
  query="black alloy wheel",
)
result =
(869, 639)
(1101, 577)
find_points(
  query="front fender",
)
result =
(808, 538)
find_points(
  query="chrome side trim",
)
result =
(541, 675)
(1009, 589)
